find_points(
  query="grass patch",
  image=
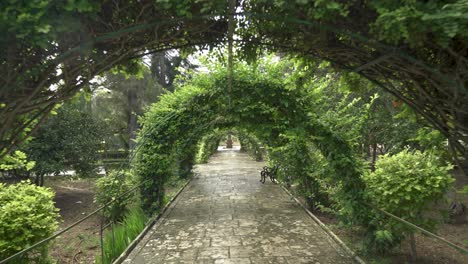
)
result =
(133, 223)
(123, 233)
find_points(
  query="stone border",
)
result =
(325, 228)
(148, 227)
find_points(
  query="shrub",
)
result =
(109, 188)
(69, 140)
(405, 185)
(27, 215)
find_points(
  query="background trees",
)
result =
(69, 140)
(118, 102)
(99, 125)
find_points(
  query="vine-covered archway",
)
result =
(261, 104)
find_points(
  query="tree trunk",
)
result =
(461, 164)
(39, 181)
(132, 124)
(374, 156)
(158, 68)
(164, 68)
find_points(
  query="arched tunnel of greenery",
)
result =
(261, 102)
(415, 51)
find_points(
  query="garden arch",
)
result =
(266, 107)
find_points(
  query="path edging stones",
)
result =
(325, 228)
(148, 227)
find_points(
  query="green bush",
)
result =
(109, 188)
(406, 185)
(27, 215)
(70, 140)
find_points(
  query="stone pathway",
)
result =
(225, 215)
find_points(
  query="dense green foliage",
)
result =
(273, 108)
(371, 120)
(69, 140)
(65, 44)
(108, 188)
(305, 169)
(371, 39)
(406, 184)
(414, 49)
(413, 22)
(16, 161)
(27, 215)
(208, 145)
(322, 135)
(250, 144)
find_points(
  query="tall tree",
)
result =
(69, 140)
(120, 100)
(165, 67)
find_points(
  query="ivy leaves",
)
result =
(16, 160)
(414, 22)
(39, 22)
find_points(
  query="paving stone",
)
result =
(268, 260)
(233, 261)
(225, 215)
(276, 250)
(213, 252)
(244, 231)
(226, 241)
(246, 251)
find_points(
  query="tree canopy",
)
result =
(416, 50)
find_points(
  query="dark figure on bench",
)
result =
(269, 172)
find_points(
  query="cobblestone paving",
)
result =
(225, 215)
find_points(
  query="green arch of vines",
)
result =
(265, 106)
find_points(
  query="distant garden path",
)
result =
(225, 215)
